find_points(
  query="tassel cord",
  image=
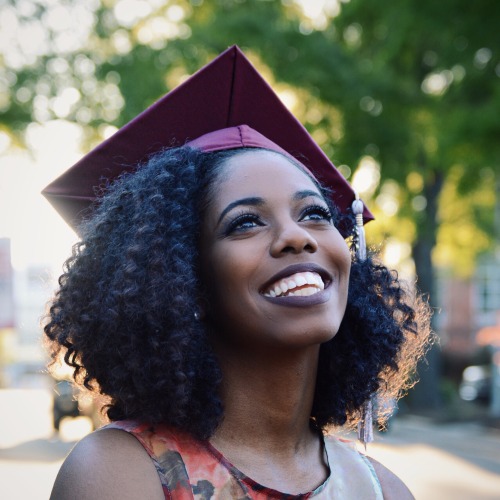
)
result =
(365, 425)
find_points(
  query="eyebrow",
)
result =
(252, 201)
(256, 201)
(300, 195)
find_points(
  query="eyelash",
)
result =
(317, 209)
(238, 222)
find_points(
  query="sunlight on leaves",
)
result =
(460, 239)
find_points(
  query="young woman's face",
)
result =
(275, 267)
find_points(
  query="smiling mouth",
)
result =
(300, 284)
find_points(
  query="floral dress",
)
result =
(190, 469)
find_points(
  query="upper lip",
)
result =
(298, 268)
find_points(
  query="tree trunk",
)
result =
(426, 394)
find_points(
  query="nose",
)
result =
(291, 238)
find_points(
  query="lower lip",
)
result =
(301, 301)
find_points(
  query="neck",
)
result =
(265, 432)
(268, 400)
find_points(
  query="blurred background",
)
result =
(405, 99)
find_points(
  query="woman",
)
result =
(214, 300)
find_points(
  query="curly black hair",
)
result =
(124, 313)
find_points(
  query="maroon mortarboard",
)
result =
(226, 104)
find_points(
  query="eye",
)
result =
(316, 213)
(242, 223)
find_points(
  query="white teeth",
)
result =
(300, 280)
(303, 292)
(288, 285)
(314, 279)
(309, 278)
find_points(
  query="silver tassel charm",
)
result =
(357, 210)
(365, 425)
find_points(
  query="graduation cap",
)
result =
(226, 104)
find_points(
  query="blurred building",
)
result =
(7, 312)
(23, 294)
(467, 306)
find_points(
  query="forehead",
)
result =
(261, 173)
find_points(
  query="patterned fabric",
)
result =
(194, 470)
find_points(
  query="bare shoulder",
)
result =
(107, 464)
(392, 487)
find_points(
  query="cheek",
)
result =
(226, 278)
(339, 252)
(345, 252)
(347, 262)
(345, 273)
(340, 256)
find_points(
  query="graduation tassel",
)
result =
(365, 425)
(357, 210)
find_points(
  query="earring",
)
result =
(197, 316)
(365, 425)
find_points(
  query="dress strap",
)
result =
(353, 475)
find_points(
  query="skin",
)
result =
(259, 340)
(268, 350)
(267, 216)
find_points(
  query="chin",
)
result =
(311, 337)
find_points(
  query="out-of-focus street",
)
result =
(438, 462)
(30, 452)
(442, 461)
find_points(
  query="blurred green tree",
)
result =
(434, 69)
(408, 89)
